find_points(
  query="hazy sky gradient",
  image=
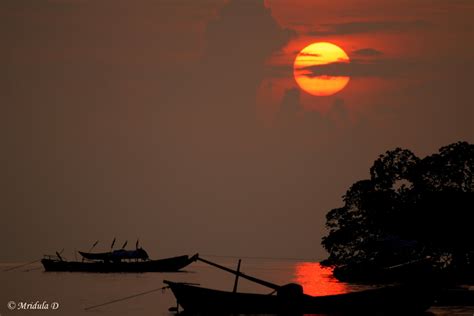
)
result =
(179, 122)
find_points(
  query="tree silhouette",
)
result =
(408, 210)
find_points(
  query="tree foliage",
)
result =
(410, 208)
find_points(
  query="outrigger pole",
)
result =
(240, 274)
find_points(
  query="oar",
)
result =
(21, 265)
(125, 298)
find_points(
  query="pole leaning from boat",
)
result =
(240, 274)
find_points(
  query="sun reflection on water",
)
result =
(318, 280)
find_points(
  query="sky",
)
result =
(180, 122)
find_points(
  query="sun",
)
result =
(316, 54)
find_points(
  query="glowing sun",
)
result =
(314, 55)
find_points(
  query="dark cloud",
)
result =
(367, 52)
(289, 107)
(367, 27)
(244, 29)
(338, 111)
(361, 68)
(309, 127)
(357, 67)
(238, 40)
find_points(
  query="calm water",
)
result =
(76, 291)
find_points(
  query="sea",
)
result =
(29, 290)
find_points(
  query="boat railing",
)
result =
(52, 257)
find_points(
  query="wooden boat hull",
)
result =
(163, 265)
(395, 300)
(455, 297)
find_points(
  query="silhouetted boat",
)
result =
(162, 265)
(397, 299)
(454, 297)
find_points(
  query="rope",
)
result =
(125, 298)
(21, 265)
(32, 269)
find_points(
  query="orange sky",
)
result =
(158, 118)
(404, 34)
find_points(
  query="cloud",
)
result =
(309, 54)
(244, 30)
(367, 52)
(309, 125)
(367, 27)
(357, 67)
(361, 68)
(339, 112)
(294, 121)
(290, 104)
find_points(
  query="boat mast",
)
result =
(236, 282)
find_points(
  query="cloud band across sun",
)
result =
(315, 55)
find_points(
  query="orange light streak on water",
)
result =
(318, 280)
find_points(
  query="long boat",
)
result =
(393, 300)
(455, 297)
(172, 264)
(290, 299)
